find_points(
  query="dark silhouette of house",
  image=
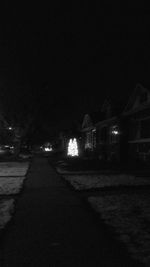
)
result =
(102, 131)
(120, 130)
(137, 114)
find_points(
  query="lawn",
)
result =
(80, 164)
(12, 176)
(125, 208)
(129, 217)
(121, 199)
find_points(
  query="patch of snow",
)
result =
(24, 156)
(63, 171)
(6, 210)
(60, 161)
(10, 185)
(13, 168)
(13, 164)
(63, 164)
(129, 215)
(12, 175)
(84, 182)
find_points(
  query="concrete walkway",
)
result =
(52, 227)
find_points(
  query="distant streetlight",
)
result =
(10, 128)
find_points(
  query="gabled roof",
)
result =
(116, 104)
(137, 90)
(91, 118)
(87, 121)
(119, 104)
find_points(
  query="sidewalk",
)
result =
(53, 228)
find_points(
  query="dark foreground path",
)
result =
(52, 227)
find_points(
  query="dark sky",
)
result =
(73, 56)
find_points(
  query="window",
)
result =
(114, 134)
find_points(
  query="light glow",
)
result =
(10, 128)
(115, 130)
(47, 149)
(73, 148)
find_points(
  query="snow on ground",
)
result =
(12, 175)
(93, 181)
(61, 170)
(10, 185)
(129, 215)
(6, 210)
(13, 168)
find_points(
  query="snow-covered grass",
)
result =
(93, 181)
(6, 210)
(129, 215)
(10, 185)
(12, 175)
(13, 168)
(67, 172)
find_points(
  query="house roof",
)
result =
(117, 104)
(138, 89)
(92, 118)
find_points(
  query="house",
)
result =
(111, 131)
(103, 132)
(137, 114)
(89, 135)
(120, 131)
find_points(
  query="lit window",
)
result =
(114, 134)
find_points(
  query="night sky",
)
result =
(61, 61)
